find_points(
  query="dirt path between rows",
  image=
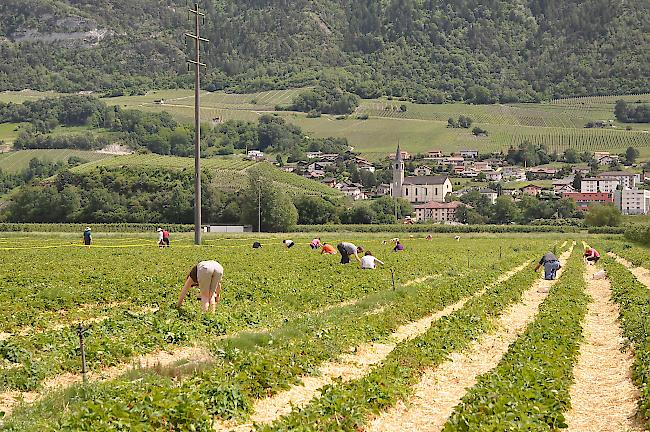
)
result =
(603, 398)
(641, 273)
(442, 388)
(347, 367)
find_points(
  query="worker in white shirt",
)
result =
(369, 262)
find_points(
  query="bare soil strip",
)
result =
(603, 398)
(641, 273)
(442, 388)
(347, 367)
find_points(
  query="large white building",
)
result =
(437, 211)
(417, 189)
(632, 201)
(626, 179)
(599, 184)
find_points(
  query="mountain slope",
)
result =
(429, 50)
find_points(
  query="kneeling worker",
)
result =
(369, 262)
(207, 276)
(551, 265)
(328, 249)
(592, 255)
(347, 249)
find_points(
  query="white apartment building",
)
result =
(632, 201)
(626, 179)
(599, 184)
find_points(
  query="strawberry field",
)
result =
(299, 341)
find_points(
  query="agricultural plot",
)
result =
(311, 346)
(17, 161)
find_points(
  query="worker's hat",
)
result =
(87, 228)
(159, 229)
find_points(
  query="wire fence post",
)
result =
(81, 331)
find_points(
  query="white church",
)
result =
(417, 189)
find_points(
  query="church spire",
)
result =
(398, 173)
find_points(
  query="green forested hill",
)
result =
(428, 50)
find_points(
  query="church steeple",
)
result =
(398, 174)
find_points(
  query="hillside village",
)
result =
(434, 182)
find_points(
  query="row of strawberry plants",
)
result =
(255, 365)
(633, 298)
(529, 389)
(347, 406)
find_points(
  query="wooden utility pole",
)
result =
(198, 20)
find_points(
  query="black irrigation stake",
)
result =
(468, 266)
(81, 331)
(392, 275)
(499, 252)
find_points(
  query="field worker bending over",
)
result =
(328, 249)
(369, 262)
(347, 249)
(160, 238)
(207, 276)
(88, 238)
(591, 255)
(399, 247)
(288, 243)
(551, 265)
(315, 243)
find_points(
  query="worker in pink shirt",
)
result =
(591, 255)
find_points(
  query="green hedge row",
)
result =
(116, 227)
(430, 228)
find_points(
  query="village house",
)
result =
(509, 192)
(330, 157)
(255, 155)
(495, 162)
(584, 200)
(423, 170)
(437, 211)
(467, 173)
(469, 154)
(434, 154)
(315, 174)
(580, 170)
(454, 161)
(605, 158)
(330, 181)
(354, 191)
(632, 201)
(314, 155)
(492, 195)
(599, 184)
(481, 166)
(532, 190)
(492, 175)
(542, 173)
(289, 167)
(383, 189)
(364, 164)
(514, 173)
(646, 176)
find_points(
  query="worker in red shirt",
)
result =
(165, 235)
(591, 255)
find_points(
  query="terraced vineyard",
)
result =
(558, 124)
(230, 173)
(314, 345)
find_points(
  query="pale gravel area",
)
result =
(347, 367)
(641, 273)
(603, 398)
(441, 389)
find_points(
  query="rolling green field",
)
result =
(13, 162)
(558, 124)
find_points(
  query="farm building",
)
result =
(584, 199)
